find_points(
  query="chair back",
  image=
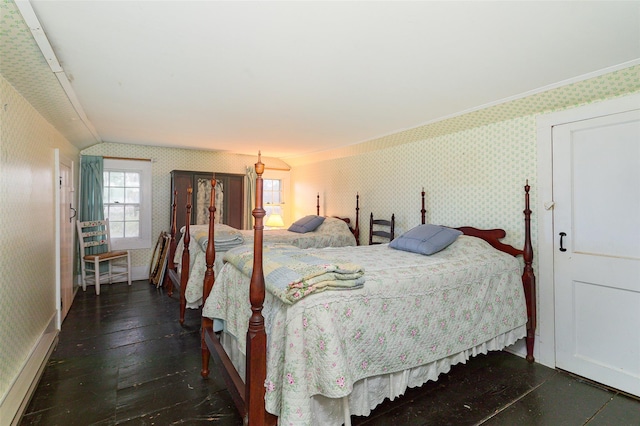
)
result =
(382, 229)
(94, 236)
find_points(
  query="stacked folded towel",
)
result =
(225, 238)
(291, 273)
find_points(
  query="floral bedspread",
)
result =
(331, 233)
(413, 310)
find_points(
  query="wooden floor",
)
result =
(123, 358)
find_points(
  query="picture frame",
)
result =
(158, 264)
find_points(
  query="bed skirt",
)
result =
(368, 393)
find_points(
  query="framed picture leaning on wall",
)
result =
(159, 260)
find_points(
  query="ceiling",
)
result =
(296, 77)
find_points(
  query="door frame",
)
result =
(58, 160)
(545, 333)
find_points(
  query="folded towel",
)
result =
(225, 238)
(291, 273)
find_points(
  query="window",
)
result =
(274, 194)
(127, 202)
(272, 191)
(122, 203)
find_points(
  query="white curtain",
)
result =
(203, 192)
(250, 197)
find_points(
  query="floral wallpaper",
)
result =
(472, 167)
(27, 229)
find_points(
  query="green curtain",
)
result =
(250, 195)
(91, 182)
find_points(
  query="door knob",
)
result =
(562, 235)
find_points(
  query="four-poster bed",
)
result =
(187, 258)
(326, 348)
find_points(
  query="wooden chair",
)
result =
(95, 249)
(381, 229)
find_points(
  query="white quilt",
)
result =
(412, 310)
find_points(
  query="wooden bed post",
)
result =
(168, 284)
(256, 370)
(184, 271)
(356, 230)
(493, 237)
(423, 211)
(209, 279)
(528, 278)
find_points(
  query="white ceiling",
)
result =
(296, 77)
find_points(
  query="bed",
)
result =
(333, 354)
(191, 249)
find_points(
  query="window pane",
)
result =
(132, 195)
(276, 185)
(131, 213)
(132, 229)
(105, 179)
(116, 179)
(116, 212)
(127, 202)
(267, 198)
(105, 195)
(116, 195)
(117, 229)
(276, 198)
(268, 185)
(132, 179)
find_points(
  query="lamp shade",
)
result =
(274, 221)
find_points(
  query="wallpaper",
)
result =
(163, 161)
(27, 226)
(606, 86)
(25, 68)
(472, 167)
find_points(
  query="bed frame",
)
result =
(493, 237)
(172, 279)
(354, 230)
(249, 396)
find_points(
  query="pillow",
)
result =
(306, 224)
(425, 239)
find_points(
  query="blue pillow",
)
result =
(306, 224)
(426, 239)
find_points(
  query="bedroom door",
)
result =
(67, 214)
(596, 222)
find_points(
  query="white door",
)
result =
(67, 215)
(596, 222)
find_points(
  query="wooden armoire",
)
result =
(231, 185)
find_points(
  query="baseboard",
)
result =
(14, 404)
(139, 273)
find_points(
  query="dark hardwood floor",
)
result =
(123, 358)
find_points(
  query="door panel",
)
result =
(66, 239)
(596, 175)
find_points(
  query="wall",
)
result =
(472, 167)
(164, 160)
(27, 232)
